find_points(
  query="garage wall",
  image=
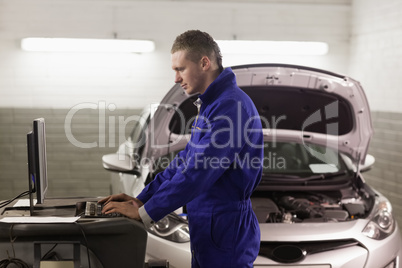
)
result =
(51, 85)
(376, 50)
(72, 170)
(61, 80)
(386, 147)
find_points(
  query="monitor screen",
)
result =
(37, 161)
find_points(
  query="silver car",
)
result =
(313, 205)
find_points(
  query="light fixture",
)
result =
(86, 45)
(246, 47)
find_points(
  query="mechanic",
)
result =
(218, 170)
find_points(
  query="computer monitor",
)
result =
(37, 162)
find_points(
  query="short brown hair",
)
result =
(198, 44)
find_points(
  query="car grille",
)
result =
(290, 252)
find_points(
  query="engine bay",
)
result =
(298, 207)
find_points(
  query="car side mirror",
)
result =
(368, 163)
(123, 163)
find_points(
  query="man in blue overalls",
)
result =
(218, 170)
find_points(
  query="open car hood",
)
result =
(309, 106)
(296, 104)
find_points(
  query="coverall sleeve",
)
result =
(222, 138)
(167, 174)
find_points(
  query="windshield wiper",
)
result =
(321, 176)
(278, 177)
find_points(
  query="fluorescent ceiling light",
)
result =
(86, 45)
(272, 47)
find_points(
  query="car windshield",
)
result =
(290, 160)
(294, 160)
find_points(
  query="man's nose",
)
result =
(177, 78)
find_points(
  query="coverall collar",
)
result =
(225, 80)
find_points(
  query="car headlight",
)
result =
(172, 228)
(382, 223)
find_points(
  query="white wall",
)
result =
(55, 80)
(376, 51)
(375, 60)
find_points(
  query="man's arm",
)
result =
(201, 170)
(129, 206)
(167, 174)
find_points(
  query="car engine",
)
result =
(309, 207)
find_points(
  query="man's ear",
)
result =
(205, 63)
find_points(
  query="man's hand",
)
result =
(123, 204)
(127, 208)
(116, 197)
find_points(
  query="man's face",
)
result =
(189, 74)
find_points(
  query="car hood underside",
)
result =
(305, 105)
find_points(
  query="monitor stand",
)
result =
(56, 211)
(16, 212)
(31, 202)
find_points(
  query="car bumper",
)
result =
(369, 253)
(178, 254)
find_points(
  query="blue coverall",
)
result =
(215, 175)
